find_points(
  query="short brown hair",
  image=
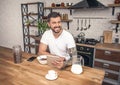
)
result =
(53, 15)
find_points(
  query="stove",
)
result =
(89, 41)
(86, 52)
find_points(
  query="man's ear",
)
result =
(48, 24)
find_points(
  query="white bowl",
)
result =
(42, 59)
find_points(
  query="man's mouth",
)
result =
(57, 27)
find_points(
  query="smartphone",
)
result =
(31, 58)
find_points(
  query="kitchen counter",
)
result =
(104, 46)
(33, 73)
(108, 46)
(86, 45)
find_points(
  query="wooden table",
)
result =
(33, 73)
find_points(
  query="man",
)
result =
(57, 40)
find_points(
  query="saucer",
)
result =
(50, 78)
(42, 59)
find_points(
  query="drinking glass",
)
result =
(17, 54)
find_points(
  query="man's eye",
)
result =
(59, 22)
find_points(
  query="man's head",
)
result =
(54, 22)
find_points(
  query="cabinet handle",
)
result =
(107, 53)
(106, 74)
(106, 65)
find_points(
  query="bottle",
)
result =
(118, 16)
(116, 38)
(101, 39)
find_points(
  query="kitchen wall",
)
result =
(11, 24)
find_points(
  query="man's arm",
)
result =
(43, 49)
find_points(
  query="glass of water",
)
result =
(17, 54)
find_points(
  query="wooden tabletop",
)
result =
(33, 73)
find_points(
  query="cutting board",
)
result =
(107, 36)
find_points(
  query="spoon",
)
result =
(85, 27)
(77, 24)
(89, 24)
(81, 24)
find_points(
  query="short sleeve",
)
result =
(44, 38)
(70, 41)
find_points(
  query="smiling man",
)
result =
(57, 40)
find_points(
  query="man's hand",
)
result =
(59, 63)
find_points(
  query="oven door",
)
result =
(88, 60)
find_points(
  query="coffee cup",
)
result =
(52, 73)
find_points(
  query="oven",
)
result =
(87, 53)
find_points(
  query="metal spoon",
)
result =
(77, 24)
(81, 24)
(89, 24)
(85, 27)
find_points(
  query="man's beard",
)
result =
(55, 31)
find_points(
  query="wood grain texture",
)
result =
(33, 73)
(108, 46)
(107, 36)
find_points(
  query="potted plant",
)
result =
(42, 27)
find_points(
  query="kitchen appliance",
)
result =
(87, 53)
(81, 38)
(89, 41)
(101, 39)
(88, 4)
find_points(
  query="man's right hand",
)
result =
(59, 63)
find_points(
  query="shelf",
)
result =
(29, 14)
(113, 7)
(29, 20)
(33, 25)
(51, 8)
(115, 22)
(35, 37)
(69, 20)
(57, 7)
(33, 3)
(32, 45)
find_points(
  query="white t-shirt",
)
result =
(58, 46)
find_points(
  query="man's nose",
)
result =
(57, 24)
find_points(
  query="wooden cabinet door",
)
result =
(108, 55)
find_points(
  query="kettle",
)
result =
(77, 65)
(81, 37)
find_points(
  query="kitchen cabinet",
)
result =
(63, 20)
(108, 60)
(30, 18)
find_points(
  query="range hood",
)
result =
(88, 4)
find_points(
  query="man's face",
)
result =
(55, 24)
